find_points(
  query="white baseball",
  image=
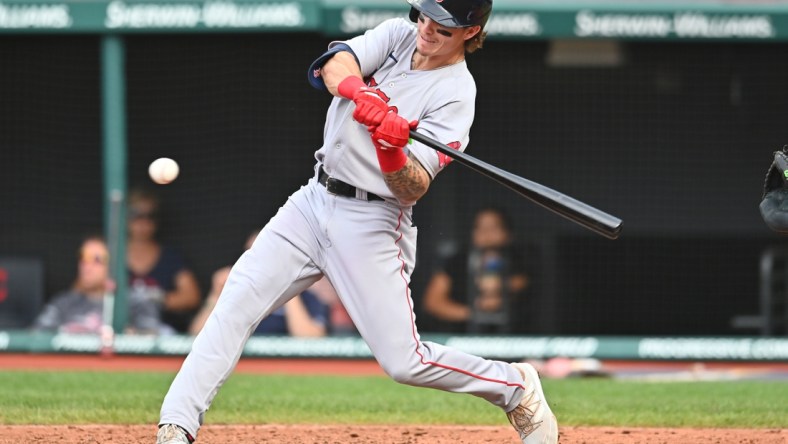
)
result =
(163, 170)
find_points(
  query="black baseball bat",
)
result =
(578, 212)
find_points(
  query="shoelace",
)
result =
(522, 417)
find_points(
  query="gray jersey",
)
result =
(442, 100)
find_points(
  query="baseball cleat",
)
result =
(533, 419)
(172, 434)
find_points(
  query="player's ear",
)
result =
(471, 31)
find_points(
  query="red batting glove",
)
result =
(371, 108)
(389, 138)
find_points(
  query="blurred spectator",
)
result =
(339, 319)
(303, 316)
(157, 272)
(80, 308)
(476, 290)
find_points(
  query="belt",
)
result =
(336, 186)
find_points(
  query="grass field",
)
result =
(43, 397)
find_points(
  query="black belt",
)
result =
(336, 186)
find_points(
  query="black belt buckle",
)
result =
(337, 187)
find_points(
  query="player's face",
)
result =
(435, 40)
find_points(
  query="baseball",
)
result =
(163, 170)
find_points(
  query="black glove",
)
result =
(774, 203)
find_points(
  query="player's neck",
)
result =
(419, 62)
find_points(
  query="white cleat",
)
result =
(172, 434)
(533, 419)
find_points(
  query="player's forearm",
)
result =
(337, 69)
(408, 183)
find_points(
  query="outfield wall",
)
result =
(512, 19)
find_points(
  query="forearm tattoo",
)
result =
(408, 183)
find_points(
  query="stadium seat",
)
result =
(21, 291)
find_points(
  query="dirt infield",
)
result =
(329, 434)
(347, 434)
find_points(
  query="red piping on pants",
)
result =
(413, 323)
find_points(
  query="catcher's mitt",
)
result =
(774, 203)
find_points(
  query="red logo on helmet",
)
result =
(443, 159)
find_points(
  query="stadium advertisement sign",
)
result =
(354, 19)
(212, 14)
(499, 347)
(678, 25)
(22, 16)
(134, 15)
(512, 19)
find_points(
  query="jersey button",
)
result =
(404, 75)
(339, 146)
(391, 84)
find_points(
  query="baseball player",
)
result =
(352, 221)
(774, 202)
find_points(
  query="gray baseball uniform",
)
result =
(366, 248)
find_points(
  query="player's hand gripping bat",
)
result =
(578, 212)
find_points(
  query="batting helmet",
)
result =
(452, 13)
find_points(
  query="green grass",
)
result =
(135, 398)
